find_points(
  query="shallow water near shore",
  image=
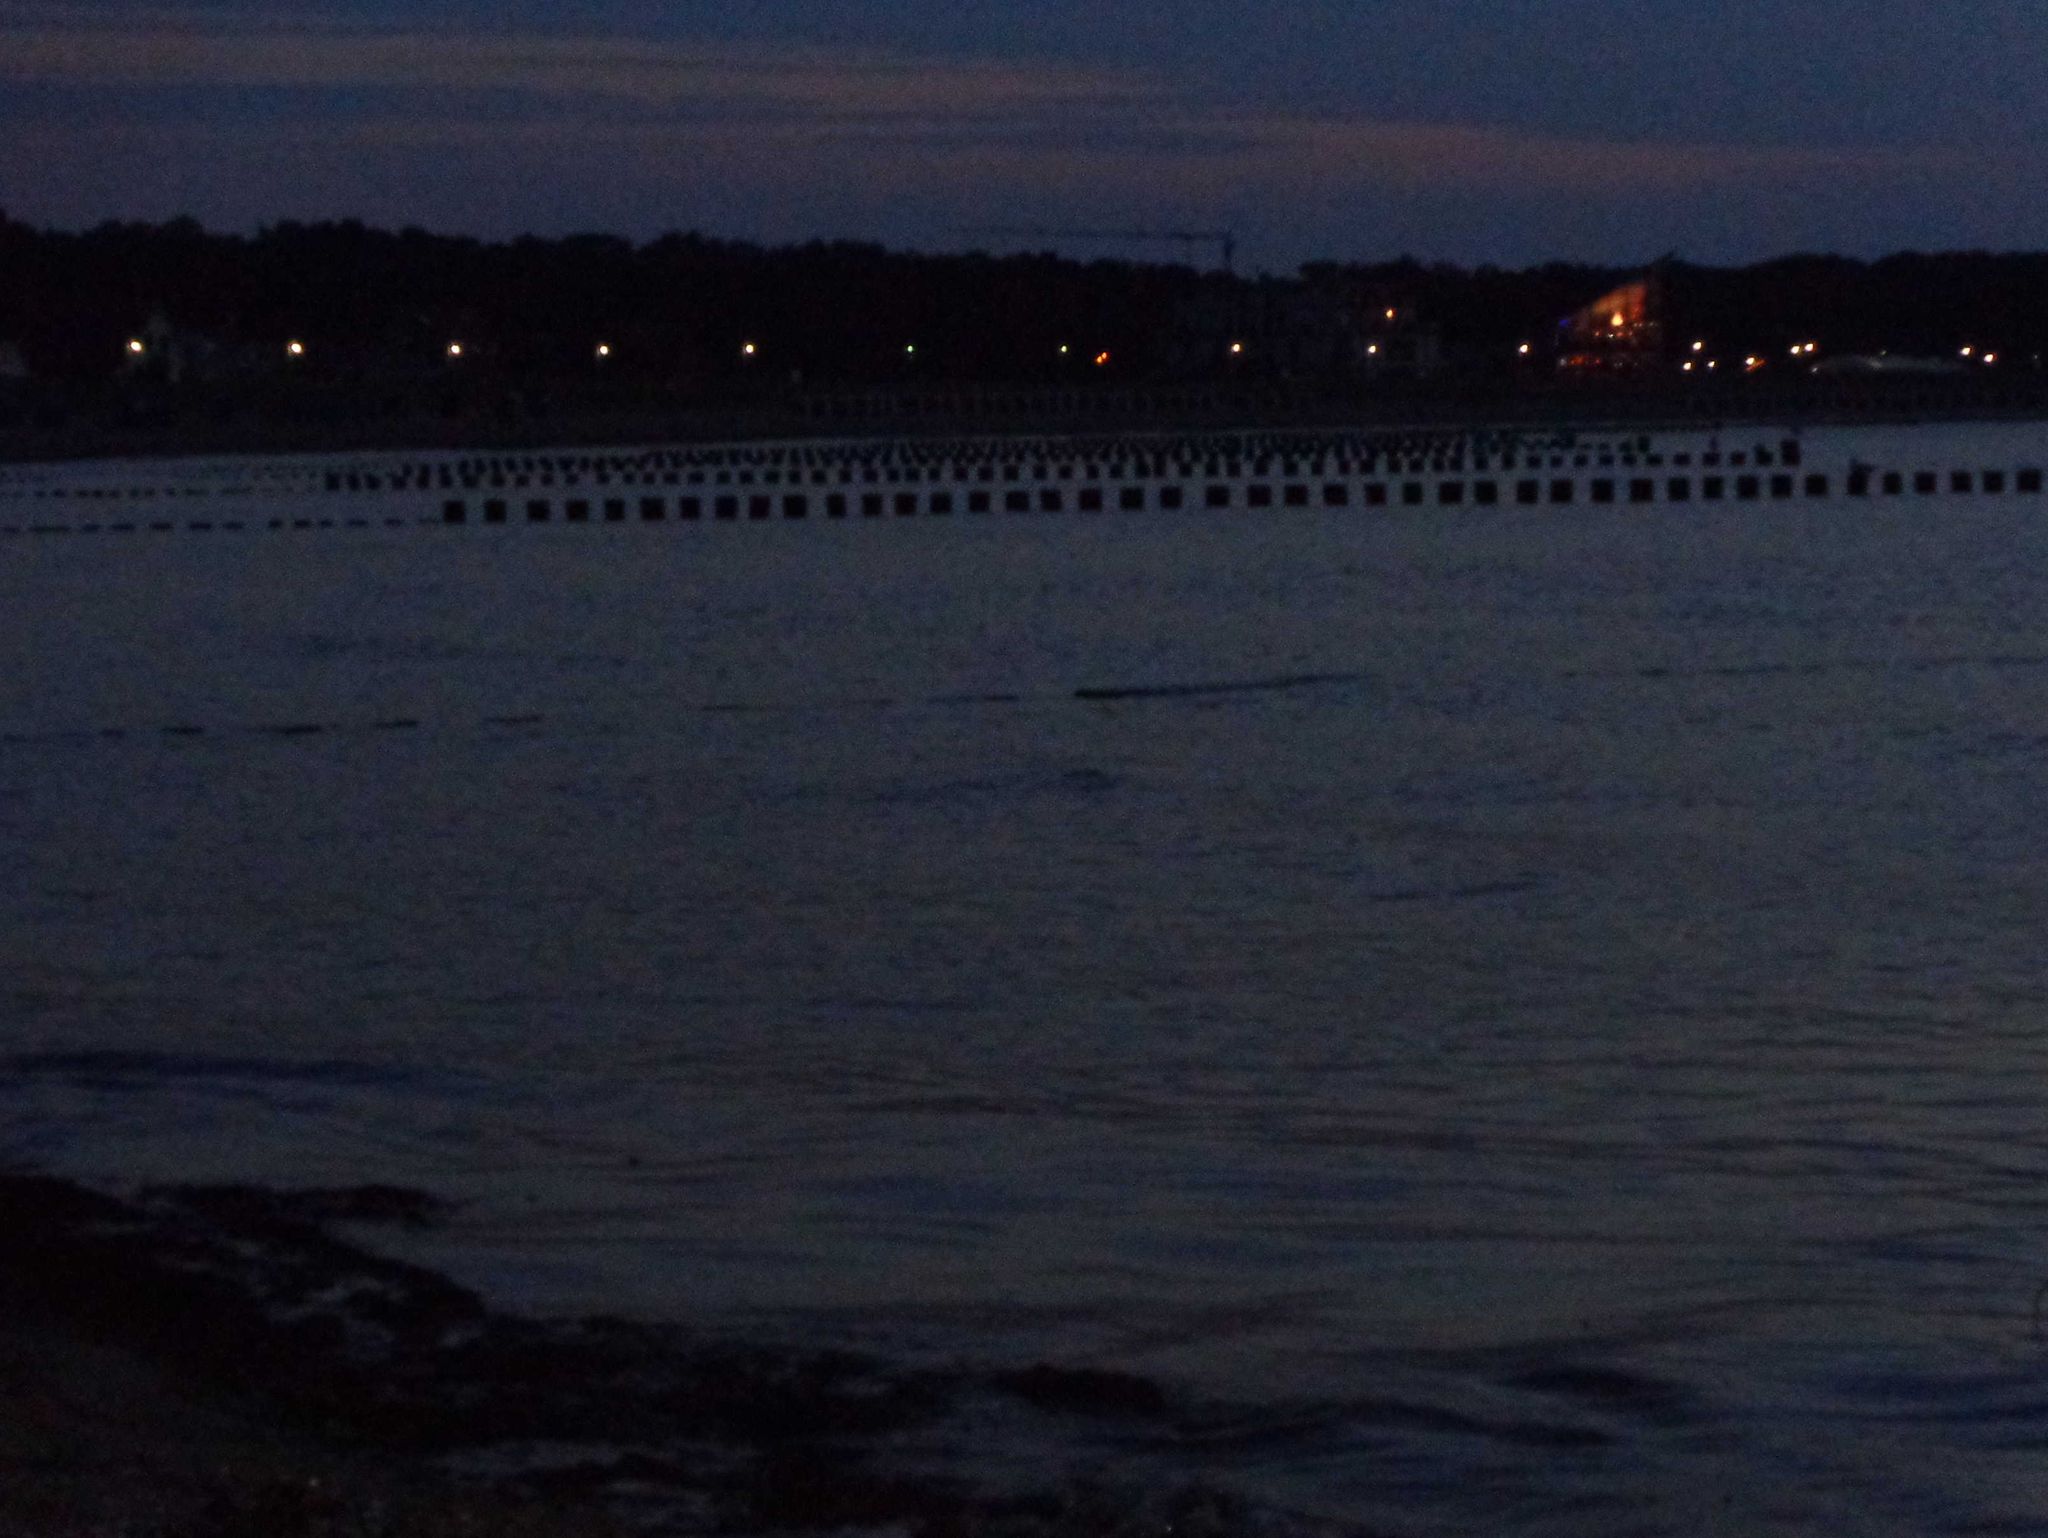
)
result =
(1538, 1014)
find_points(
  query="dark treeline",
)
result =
(680, 310)
(679, 307)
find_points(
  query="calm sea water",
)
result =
(1444, 982)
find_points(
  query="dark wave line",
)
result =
(117, 1066)
(1818, 669)
(1457, 893)
(1086, 694)
(1229, 686)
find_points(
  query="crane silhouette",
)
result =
(1224, 240)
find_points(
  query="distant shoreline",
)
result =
(968, 411)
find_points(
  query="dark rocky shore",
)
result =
(213, 1362)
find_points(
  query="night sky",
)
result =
(1510, 131)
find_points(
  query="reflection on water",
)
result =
(1538, 1014)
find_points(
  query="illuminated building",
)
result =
(1622, 331)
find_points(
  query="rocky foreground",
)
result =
(214, 1362)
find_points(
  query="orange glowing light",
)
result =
(135, 346)
(748, 349)
(295, 349)
(1102, 360)
(454, 349)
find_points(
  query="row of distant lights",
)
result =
(137, 347)
(1101, 359)
(1751, 364)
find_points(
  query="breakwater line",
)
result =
(886, 479)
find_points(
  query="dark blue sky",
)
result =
(1472, 130)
